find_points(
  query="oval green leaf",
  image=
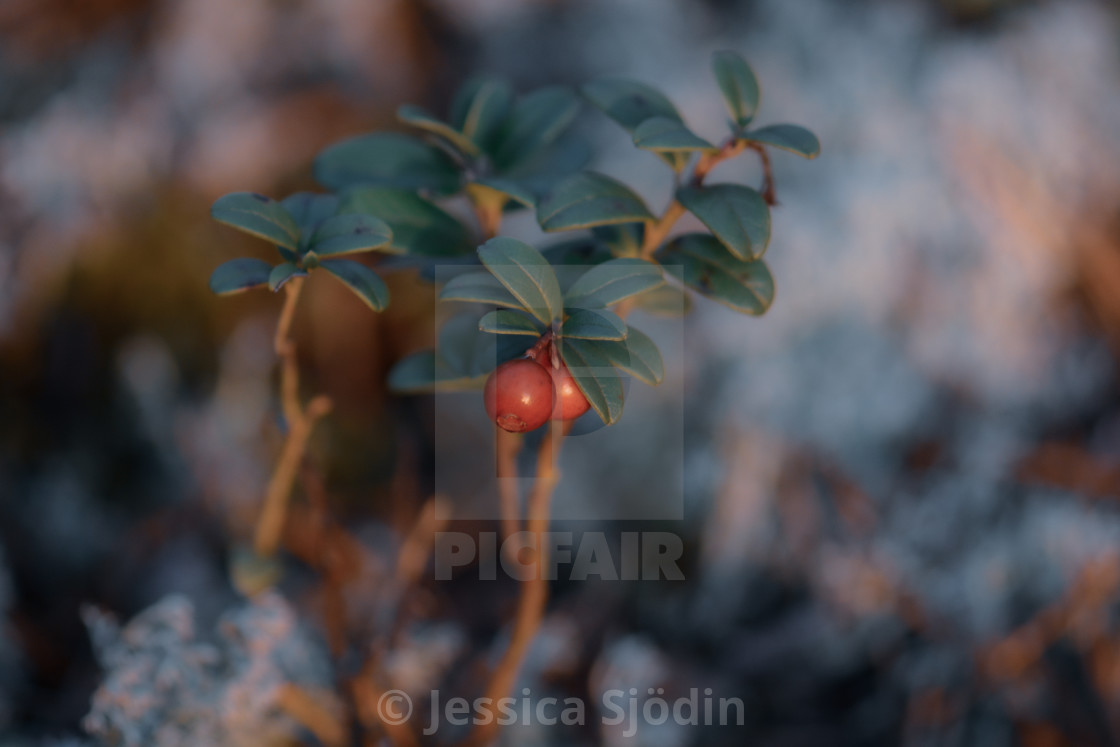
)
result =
(539, 171)
(593, 324)
(707, 267)
(480, 107)
(526, 274)
(595, 376)
(507, 188)
(638, 356)
(257, 215)
(668, 301)
(309, 210)
(509, 322)
(737, 215)
(350, 233)
(478, 287)
(239, 275)
(282, 273)
(629, 102)
(390, 160)
(664, 134)
(418, 225)
(537, 120)
(589, 199)
(417, 117)
(364, 282)
(794, 138)
(613, 281)
(739, 86)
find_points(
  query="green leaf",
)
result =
(539, 171)
(480, 107)
(622, 239)
(509, 322)
(239, 275)
(789, 137)
(577, 252)
(389, 160)
(425, 371)
(365, 283)
(258, 215)
(629, 102)
(508, 188)
(743, 285)
(309, 210)
(537, 120)
(350, 233)
(419, 226)
(737, 215)
(593, 324)
(418, 117)
(282, 273)
(613, 281)
(589, 199)
(664, 134)
(738, 84)
(526, 274)
(668, 301)
(637, 356)
(595, 376)
(478, 287)
(469, 351)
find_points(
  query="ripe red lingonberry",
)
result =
(519, 395)
(570, 402)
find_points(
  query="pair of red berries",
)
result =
(523, 394)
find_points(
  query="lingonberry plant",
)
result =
(544, 332)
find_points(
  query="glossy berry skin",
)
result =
(519, 395)
(570, 402)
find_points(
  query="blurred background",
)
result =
(901, 484)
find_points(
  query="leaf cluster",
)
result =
(504, 152)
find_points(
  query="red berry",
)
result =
(518, 395)
(570, 402)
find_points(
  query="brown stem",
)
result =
(310, 711)
(534, 589)
(367, 695)
(271, 521)
(487, 204)
(768, 193)
(658, 230)
(411, 561)
(507, 445)
(300, 422)
(285, 348)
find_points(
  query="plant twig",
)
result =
(411, 561)
(270, 525)
(768, 192)
(507, 445)
(658, 230)
(313, 714)
(534, 589)
(367, 695)
(487, 204)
